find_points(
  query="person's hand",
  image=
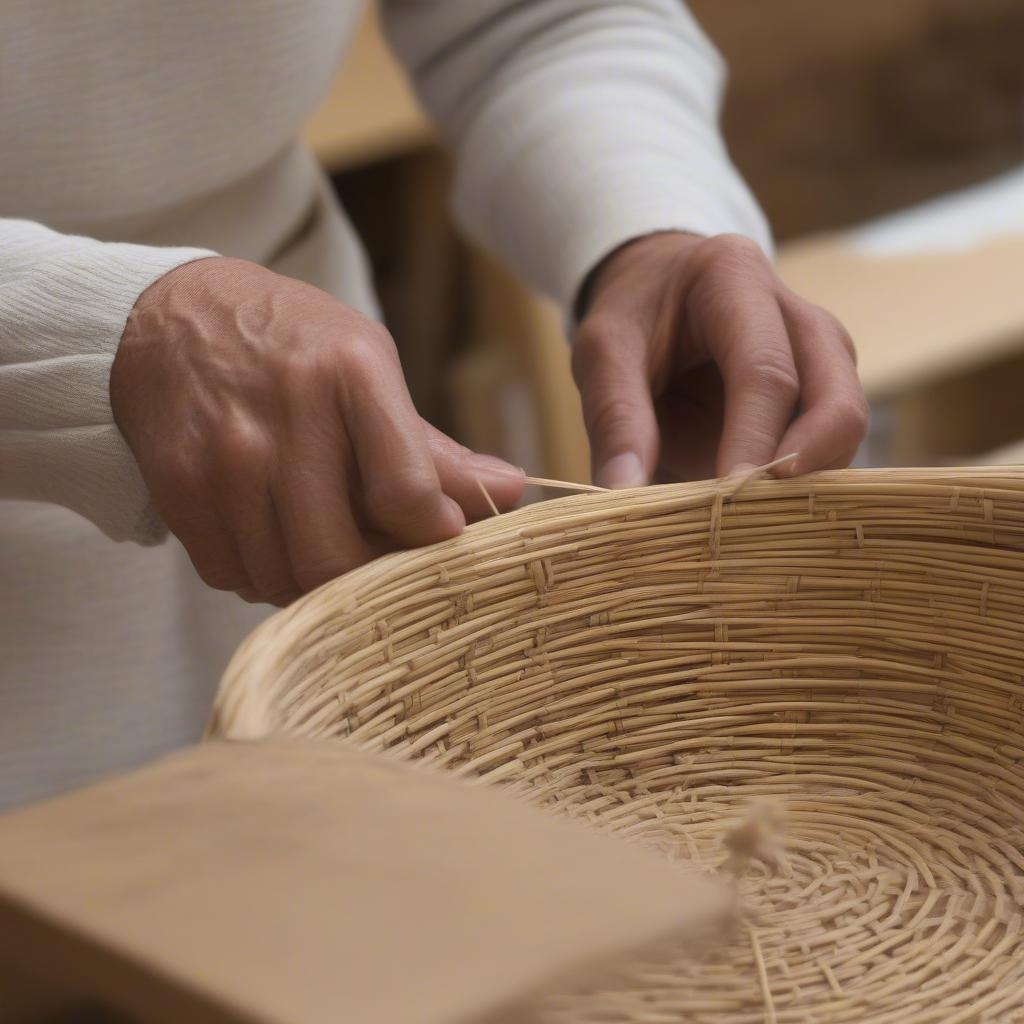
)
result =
(693, 359)
(273, 428)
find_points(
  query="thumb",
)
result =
(611, 374)
(462, 471)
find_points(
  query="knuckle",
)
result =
(244, 450)
(806, 315)
(852, 417)
(308, 579)
(608, 415)
(374, 333)
(772, 375)
(350, 346)
(597, 338)
(180, 471)
(219, 576)
(844, 337)
(594, 332)
(304, 364)
(402, 496)
(731, 251)
(821, 323)
(310, 576)
(271, 579)
(370, 343)
(260, 595)
(365, 358)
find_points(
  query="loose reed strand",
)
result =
(487, 496)
(563, 485)
(762, 976)
(757, 472)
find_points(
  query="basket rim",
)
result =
(257, 656)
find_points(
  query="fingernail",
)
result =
(789, 465)
(625, 470)
(492, 464)
(455, 516)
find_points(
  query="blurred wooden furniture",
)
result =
(370, 113)
(918, 318)
(933, 300)
(516, 370)
(1008, 455)
(839, 112)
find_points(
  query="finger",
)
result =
(834, 412)
(459, 469)
(314, 489)
(211, 548)
(609, 364)
(182, 495)
(744, 332)
(402, 494)
(323, 539)
(245, 456)
(261, 544)
(690, 418)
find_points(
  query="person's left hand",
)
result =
(693, 359)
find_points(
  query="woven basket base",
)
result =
(873, 912)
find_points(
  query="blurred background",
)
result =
(885, 142)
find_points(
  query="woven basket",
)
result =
(848, 646)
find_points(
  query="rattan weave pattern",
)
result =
(849, 645)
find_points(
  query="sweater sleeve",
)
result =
(64, 301)
(578, 125)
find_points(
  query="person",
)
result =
(189, 341)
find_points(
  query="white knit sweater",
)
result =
(138, 134)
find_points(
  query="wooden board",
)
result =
(311, 884)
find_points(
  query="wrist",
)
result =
(186, 275)
(146, 328)
(650, 247)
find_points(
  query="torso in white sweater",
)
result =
(577, 124)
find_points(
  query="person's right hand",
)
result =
(273, 428)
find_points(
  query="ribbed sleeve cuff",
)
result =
(600, 129)
(64, 302)
(587, 201)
